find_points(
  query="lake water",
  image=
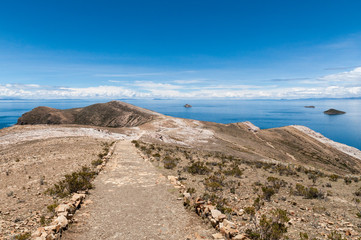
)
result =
(263, 113)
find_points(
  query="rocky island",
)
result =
(309, 106)
(187, 106)
(332, 111)
(79, 173)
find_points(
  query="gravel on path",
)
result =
(132, 200)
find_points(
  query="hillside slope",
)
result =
(111, 114)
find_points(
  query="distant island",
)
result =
(309, 106)
(187, 106)
(332, 111)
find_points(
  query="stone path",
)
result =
(131, 200)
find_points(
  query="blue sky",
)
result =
(180, 49)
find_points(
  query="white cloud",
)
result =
(131, 74)
(142, 74)
(190, 81)
(353, 75)
(340, 85)
(150, 86)
(121, 92)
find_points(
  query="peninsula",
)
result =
(143, 166)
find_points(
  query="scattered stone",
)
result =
(217, 236)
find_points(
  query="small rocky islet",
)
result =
(332, 111)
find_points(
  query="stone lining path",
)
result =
(131, 200)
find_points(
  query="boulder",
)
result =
(215, 213)
(62, 208)
(60, 222)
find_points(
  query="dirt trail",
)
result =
(131, 200)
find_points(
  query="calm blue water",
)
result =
(263, 113)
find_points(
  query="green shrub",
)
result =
(42, 220)
(51, 207)
(358, 192)
(335, 236)
(23, 236)
(250, 210)
(285, 170)
(214, 183)
(268, 192)
(270, 228)
(198, 168)
(77, 181)
(136, 143)
(276, 183)
(234, 171)
(304, 236)
(334, 177)
(169, 163)
(310, 193)
(97, 162)
(347, 180)
(156, 155)
(191, 190)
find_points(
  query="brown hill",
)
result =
(111, 114)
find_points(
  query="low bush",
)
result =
(270, 228)
(347, 180)
(214, 183)
(96, 162)
(335, 236)
(268, 192)
(333, 177)
(23, 236)
(358, 192)
(234, 171)
(136, 143)
(169, 163)
(198, 168)
(51, 207)
(77, 181)
(309, 193)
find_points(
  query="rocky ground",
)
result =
(239, 179)
(29, 166)
(233, 185)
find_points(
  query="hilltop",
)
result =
(229, 174)
(111, 114)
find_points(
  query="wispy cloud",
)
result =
(353, 75)
(288, 79)
(142, 74)
(149, 85)
(341, 68)
(189, 81)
